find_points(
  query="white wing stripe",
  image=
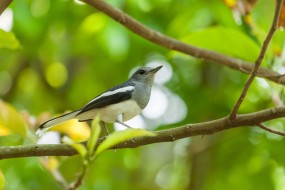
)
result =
(109, 93)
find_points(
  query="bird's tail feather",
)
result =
(57, 120)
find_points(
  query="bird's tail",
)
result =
(57, 120)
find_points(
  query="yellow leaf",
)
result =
(230, 3)
(2, 181)
(4, 130)
(52, 163)
(77, 131)
(11, 119)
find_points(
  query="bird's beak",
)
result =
(156, 69)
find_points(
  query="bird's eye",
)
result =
(142, 72)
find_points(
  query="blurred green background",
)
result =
(58, 55)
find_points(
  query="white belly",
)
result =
(128, 109)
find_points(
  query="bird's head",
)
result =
(145, 74)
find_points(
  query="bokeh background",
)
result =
(56, 56)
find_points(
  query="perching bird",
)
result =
(117, 105)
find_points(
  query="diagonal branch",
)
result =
(266, 42)
(271, 130)
(173, 44)
(167, 135)
(4, 4)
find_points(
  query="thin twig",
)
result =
(271, 130)
(55, 173)
(59, 178)
(171, 43)
(78, 181)
(266, 42)
(4, 4)
(167, 135)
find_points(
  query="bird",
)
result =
(116, 105)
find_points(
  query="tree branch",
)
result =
(270, 130)
(167, 135)
(4, 4)
(266, 42)
(171, 43)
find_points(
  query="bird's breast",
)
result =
(128, 109)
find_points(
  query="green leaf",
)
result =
(80, 148)
(95, 132)
(8, 40)
(225, 40)
(121, 136)
(11, 140)
(2, 181)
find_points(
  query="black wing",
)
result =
(108, 99)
